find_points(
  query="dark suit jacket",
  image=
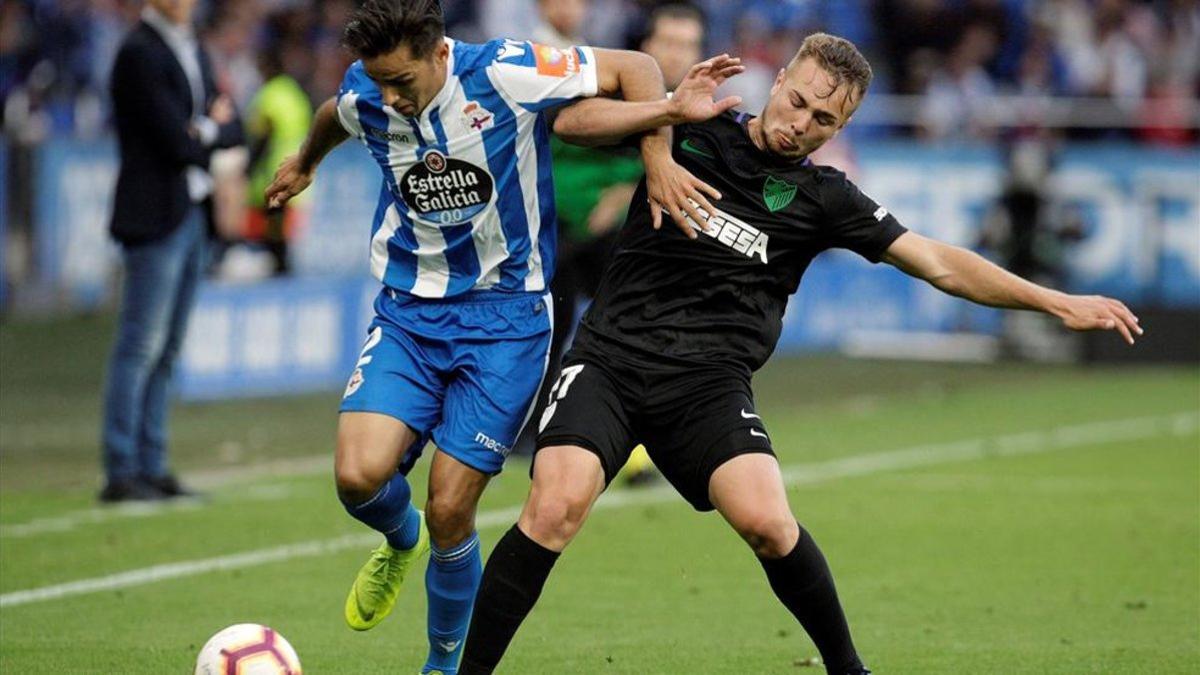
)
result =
(152, 105)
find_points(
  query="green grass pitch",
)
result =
(994, 519)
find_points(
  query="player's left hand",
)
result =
(693, 101)
(672, 188)
(1096, 312)
(290, 180)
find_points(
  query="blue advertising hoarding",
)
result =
(75, 255)
(280, 336)
(1139, 212)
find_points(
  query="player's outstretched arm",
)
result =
(297, 171)
(645, 110)
(601, 121)
(966, 274)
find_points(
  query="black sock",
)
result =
(512, 581)
(803, 583)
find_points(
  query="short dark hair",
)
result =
(380, 26)
(674, 10)
(841, 59)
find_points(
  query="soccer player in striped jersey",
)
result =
(463, 243)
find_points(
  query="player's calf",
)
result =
(454, 492)
(748, 490)
(566, 482)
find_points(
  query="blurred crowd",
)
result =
(952, 56)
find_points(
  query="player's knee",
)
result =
(552, 518)
(355, 487)
(770, 535)
(357, 481)
(449, 519)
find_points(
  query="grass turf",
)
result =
(1080, 559)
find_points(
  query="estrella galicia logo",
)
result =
(778, 193)
(445, 190)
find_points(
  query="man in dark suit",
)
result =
(169, 119)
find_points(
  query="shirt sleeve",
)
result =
(856, 222)
(538, 76)
(353, 85)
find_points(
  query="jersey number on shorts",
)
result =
(559, 392)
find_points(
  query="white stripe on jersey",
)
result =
(527, 168)
(379, 252)
(487, 234)
(347, 112)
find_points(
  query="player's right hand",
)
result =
(290, 180)
(672, 188)
(1096, 312)
(692, 100)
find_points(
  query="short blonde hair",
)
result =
(841, 59)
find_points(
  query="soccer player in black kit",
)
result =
(665, 354)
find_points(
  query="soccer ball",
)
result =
(247, 649)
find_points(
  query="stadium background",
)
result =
(1039, 500)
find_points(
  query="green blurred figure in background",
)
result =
(277, 122)
(593, 186)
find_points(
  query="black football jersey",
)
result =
(719, 299)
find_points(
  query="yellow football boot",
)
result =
(378, 583)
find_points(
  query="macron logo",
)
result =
(880, 213)
(492, 444)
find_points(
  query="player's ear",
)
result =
(441, 53)
(778, 81)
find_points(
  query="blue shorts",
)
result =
(463, 371)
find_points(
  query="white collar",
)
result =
(169, 30)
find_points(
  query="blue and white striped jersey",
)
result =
(467, 201)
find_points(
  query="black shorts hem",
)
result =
(578, 441)
(701, 502)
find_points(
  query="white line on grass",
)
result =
(1183, 424)
(71, 520)
(208, 479)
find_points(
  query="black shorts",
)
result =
(691, 420)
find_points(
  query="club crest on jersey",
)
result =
(733, 233)
(445, 190)
(356, 380)
(778, 193)
(477, 117)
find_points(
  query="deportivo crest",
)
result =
(778, 193)
(445, 190)
(476, 117)
(356, 380)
